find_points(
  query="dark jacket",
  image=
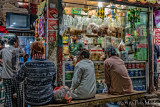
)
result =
(156, 53)
(40, 78)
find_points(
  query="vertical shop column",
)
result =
(53, 38)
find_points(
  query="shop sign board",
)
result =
(52, 36)
(157, 18)
(52, 13)
(76, 10)
(52, 24)
(157, 36)
(143, 2)
(157, 41)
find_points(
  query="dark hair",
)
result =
(84, 52)
(12, 40)
(112, 50)
(2, 42)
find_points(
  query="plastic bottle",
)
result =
(101, 86)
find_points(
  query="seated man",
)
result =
(40, 75)
(116, 74)
(83, 82)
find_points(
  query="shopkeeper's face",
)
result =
(75, 38)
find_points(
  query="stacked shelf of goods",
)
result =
(99, 73)
(68, 71)
(137, 72)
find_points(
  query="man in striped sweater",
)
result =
(40, 76)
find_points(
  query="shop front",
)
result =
(66, 26)
(98, 25)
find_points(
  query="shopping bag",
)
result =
(62, 95)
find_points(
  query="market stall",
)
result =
(99, 25)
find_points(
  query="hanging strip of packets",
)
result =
(134, 16)
(100, 12)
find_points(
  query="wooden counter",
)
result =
(100, 99)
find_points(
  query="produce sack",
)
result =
(122, 46)
(62, 95)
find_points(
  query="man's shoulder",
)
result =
(39, 62)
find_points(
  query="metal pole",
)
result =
(60, 45)
(150, 49)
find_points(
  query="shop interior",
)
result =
(99, 25)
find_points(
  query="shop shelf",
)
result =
(69, 71)
(137, 69)
(68, 80)
(135, 61)
(138, 77)
(92, 35)
(100, 79)
(97, 61)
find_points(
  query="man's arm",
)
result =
(21, 74)
(107, 74)
(77, 77)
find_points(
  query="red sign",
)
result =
(52, 13)
(52, 35)
(157, 36)
(52, 24)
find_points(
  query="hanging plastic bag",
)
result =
(122, 46)
(62, 95)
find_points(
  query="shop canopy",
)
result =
(140, 3)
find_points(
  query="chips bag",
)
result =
(122, 46)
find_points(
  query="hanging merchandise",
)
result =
(36, 27)
(152, 1)
(113, 11)
(134, 16)
(143, 1)
(122, 46)
(157, 18)
(41, 8)
(132, 1)
(41, 27)
(100, 12)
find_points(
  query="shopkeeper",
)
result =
(75, 46)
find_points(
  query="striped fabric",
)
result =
(40, 76)
(2, 93)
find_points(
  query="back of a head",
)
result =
(12, 40)
(2, 42)
(112, 50)
(37, 48)
(84, 52)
